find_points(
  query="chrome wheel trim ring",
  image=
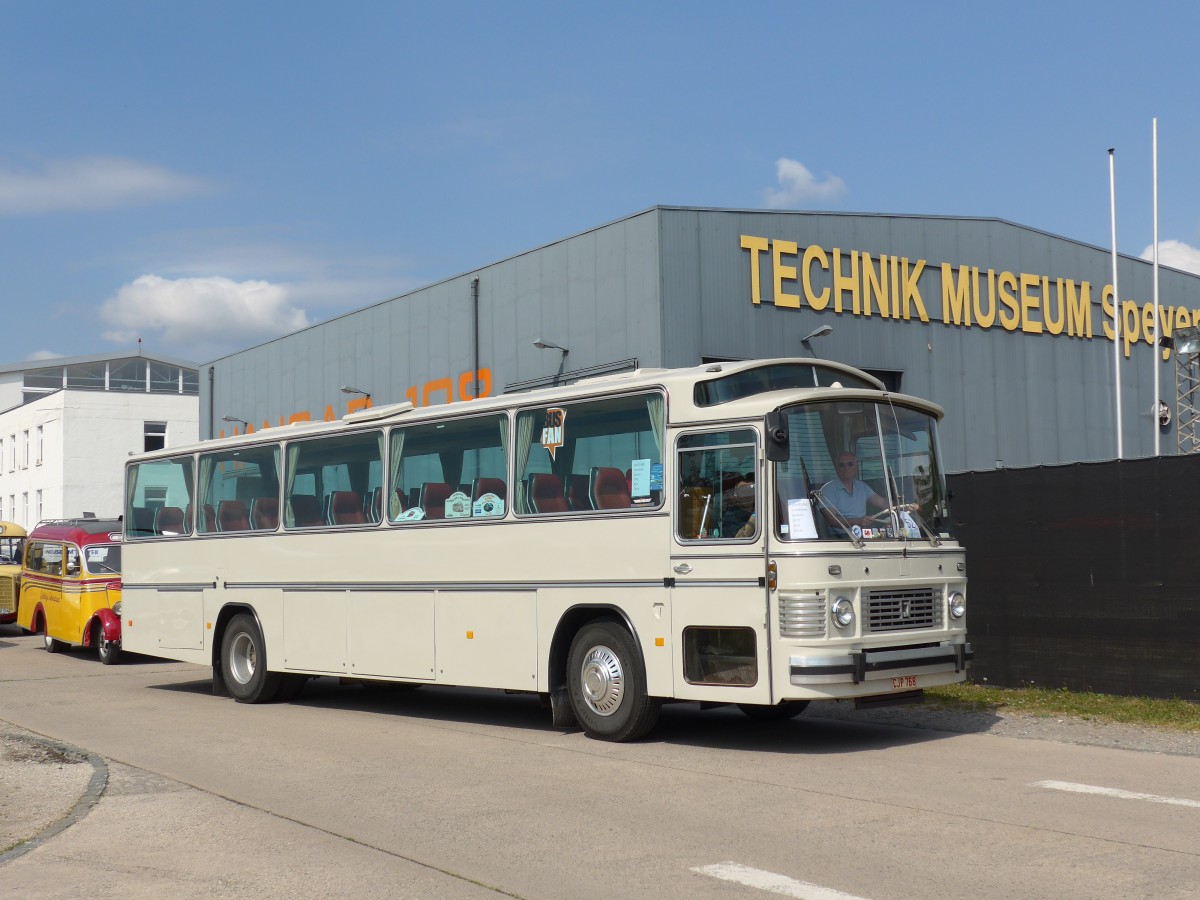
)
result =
(243, 658)
(602, 681)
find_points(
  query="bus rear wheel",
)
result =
(780, 712)
(244, 662)
(607, 684)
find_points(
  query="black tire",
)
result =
(607, 684)
(244, 662)
(52, 645)
(108, 651)
(780, 712)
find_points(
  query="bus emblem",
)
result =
(906, 609)
(552, 431)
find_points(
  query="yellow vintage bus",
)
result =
(12, 549)
(71, 585)
(763, 534)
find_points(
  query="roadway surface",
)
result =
(462, 793)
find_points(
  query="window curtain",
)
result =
(395, 472)
(655, 404)
(526, 422)
(293, 458)
(205, 489)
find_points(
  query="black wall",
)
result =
(1085, 576)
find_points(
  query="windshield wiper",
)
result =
(842, 521)
(100, 565)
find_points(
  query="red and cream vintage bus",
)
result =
(12, 548)
(71, 585)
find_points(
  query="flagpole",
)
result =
(1112, 194)
(1156, 355)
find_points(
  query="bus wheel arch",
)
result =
(605, 679)
(242, 661)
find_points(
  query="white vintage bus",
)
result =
(660, 535)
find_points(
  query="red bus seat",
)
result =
(546, 493)
(232, 516)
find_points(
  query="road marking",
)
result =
(1114, 792)
(770, 881)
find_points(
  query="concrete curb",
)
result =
(91, 796)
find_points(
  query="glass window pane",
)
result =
(86, 375)
(159, 498)
(127, 375)
(239, 490)
(449, 470)
(335, 481)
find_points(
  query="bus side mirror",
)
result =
(778, 445)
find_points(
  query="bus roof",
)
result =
(11, 530)
(680, 385)
(78, 531)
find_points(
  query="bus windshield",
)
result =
(860, 471)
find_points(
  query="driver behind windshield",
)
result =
(850, 496)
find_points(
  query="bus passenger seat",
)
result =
(609, 489)
(264, 514)
(346, 508)
(433, 499)
(481, 486)
(231, 516)
(577, 492)
(306, 510)
(546, 491)
(210, 518)
(168, 520)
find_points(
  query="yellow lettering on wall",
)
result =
(986, 320)
(1130, 324)
(755, 245)
(358, 403)
(1148, 323)
(956, 296)
(1030, 301)
(299, 417)
(1106, 303)
(875, 284)
(781, 271)
(812, 254)
(329, 416)
(1079, 309)
(895, 287)
(1054, 315)
(845, 283)
(1008, 285)
(912, 293)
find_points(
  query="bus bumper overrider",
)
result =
(878, 665)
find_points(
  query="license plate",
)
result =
(904, 682)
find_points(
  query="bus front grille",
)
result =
(903, 609)
(7, 594)
(802, 615)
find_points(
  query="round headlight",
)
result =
(958, 605)
(116, 608)
(843, 612)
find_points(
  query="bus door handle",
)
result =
(683, 569)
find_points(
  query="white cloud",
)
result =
(38, 355)
(195, 313)
(1175, 254)
(90, 183)
(798, 186)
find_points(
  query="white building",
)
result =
(68, 425)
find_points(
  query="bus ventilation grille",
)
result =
(802, 615)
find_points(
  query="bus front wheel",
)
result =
(608, 686)
(108, 651)
(244, 662)
(52, 645)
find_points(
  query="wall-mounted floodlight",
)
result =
(236, 421)
(819, 333)
(550, 345)
(346, 389)
(1187, 341)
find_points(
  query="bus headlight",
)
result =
(843, 612)
(957, 605)
(116, 608)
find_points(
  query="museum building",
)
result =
(1009, 328)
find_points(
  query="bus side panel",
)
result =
(180, 614)
(391, 634)
(487, 639)
(315, 632)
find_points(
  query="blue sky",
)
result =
(209, 175)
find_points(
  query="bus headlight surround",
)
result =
(116, 608)
(957, 604)
(842, 612)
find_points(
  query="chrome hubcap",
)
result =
(603, 681)
(243, 658)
